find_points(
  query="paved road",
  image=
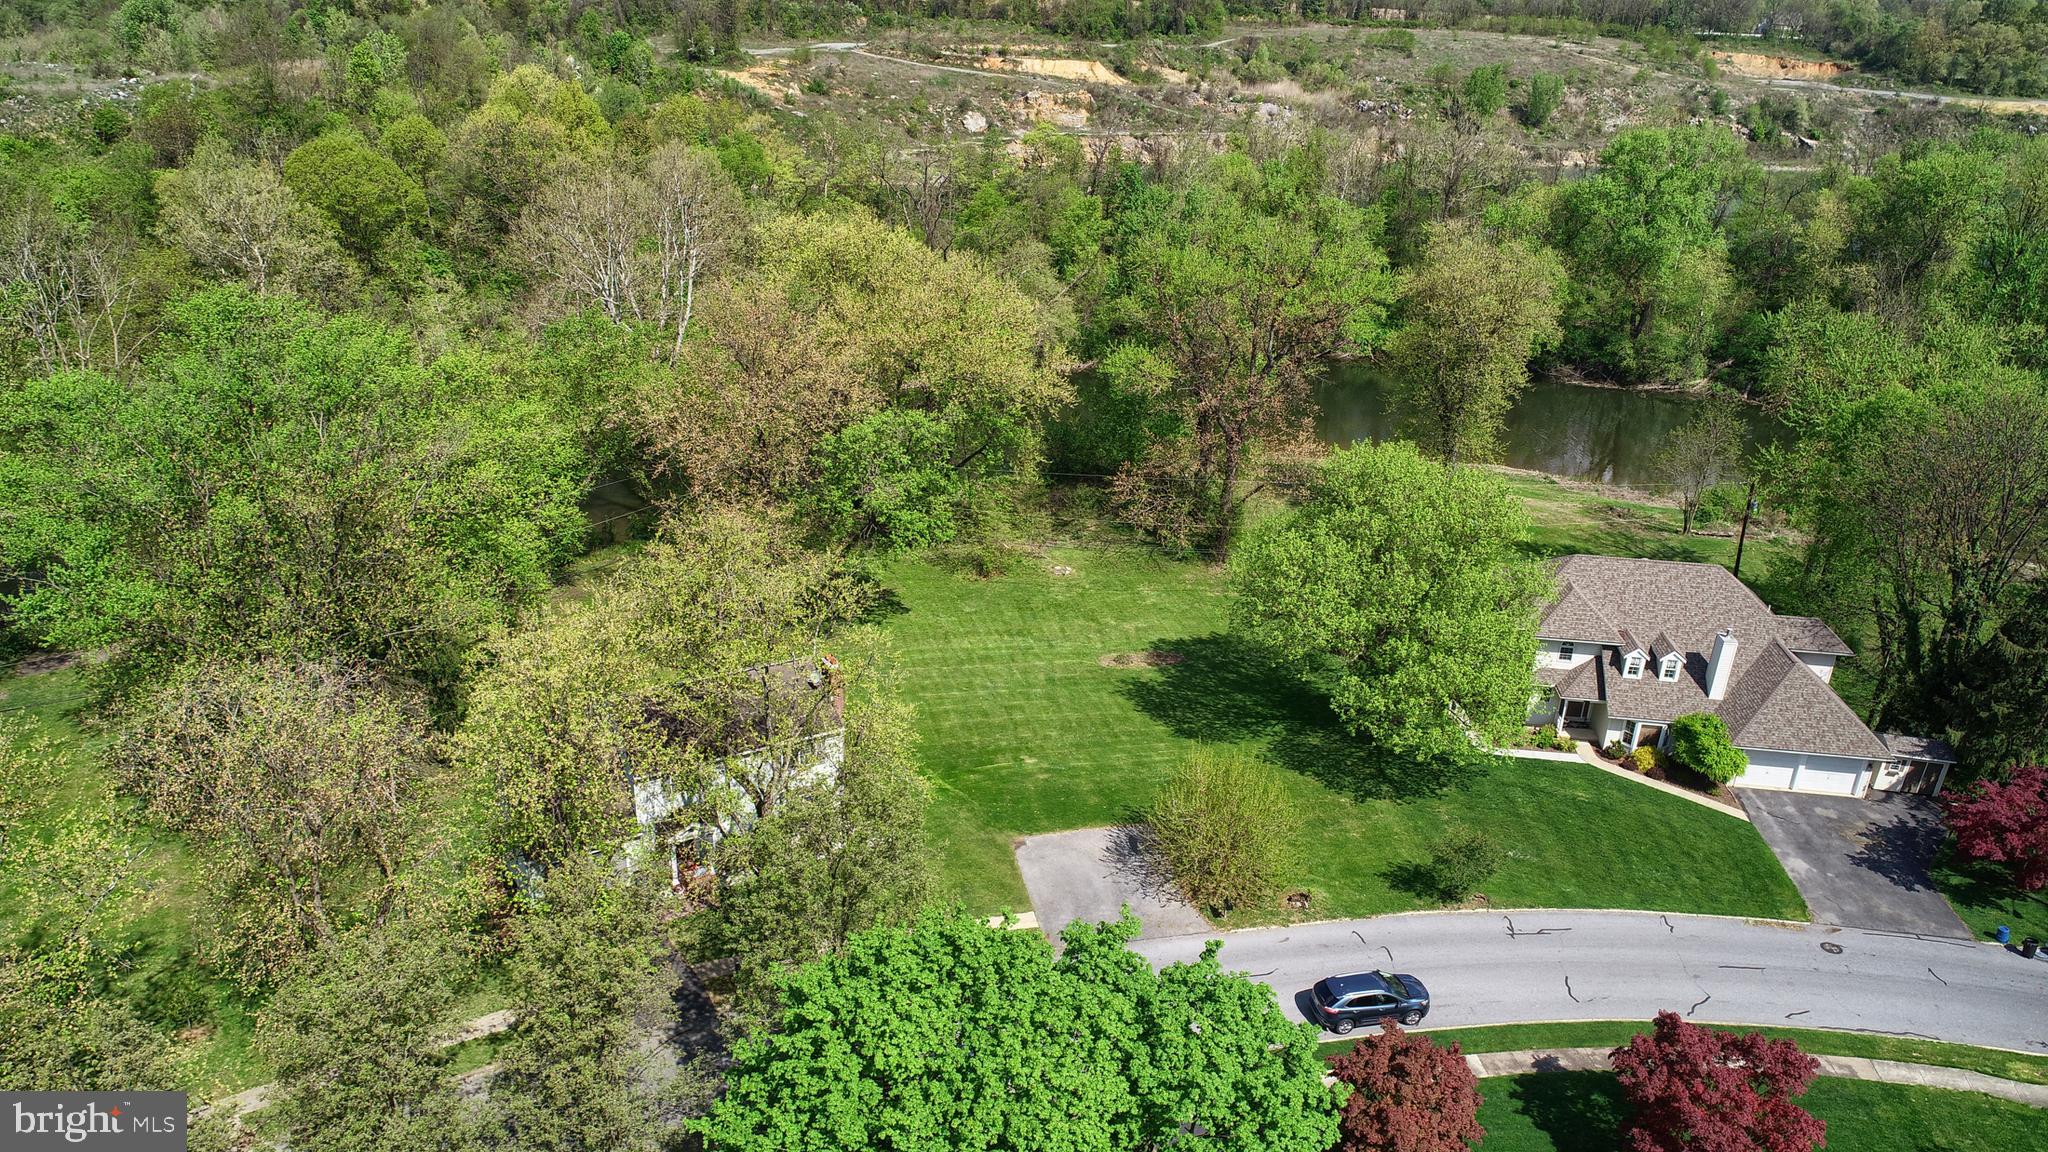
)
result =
(1494, 968)
(1860, 863)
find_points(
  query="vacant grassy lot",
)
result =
(1614, 1033)
(1024, 730)
(1583, 1111)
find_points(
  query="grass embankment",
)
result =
(1818, 1041)
(1583, 1112)
(1024, 730)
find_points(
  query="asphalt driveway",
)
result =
(1859, 863)
(1091, 874)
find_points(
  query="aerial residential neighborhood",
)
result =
(1052, 577)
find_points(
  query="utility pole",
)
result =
(1742, 537)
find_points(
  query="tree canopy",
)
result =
(1398, 583)
(949, 1034)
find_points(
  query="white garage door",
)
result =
(1767, 770)
(1828, 778)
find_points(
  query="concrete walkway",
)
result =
(1840, 1067)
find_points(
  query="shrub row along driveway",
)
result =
(1495, 968)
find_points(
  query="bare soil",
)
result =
(1758, 66)
(1153, 659)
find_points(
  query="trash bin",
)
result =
(2004, 934)
(2030, 947)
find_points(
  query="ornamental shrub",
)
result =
(1225, 827)
(1643, 759)
(1460, 860)
(1691, 1088)
(1407, 1095)
(1700, 742)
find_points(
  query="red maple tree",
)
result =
(1408, 1095)
(2005, 821)
(1694, 1089)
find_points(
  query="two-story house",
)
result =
(1629, 646)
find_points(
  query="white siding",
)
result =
(1549, 653)
(1823, 666)
(1799, 772)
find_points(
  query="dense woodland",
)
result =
(315, 368)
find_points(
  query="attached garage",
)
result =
(1803, 772)
(1768, 770)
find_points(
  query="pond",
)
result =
(1612, 435)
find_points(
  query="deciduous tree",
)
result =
(275, 481)
(1407, 1095)
(243, 219)
(590, 983)
(957, 1036)
(1693, 1088)
(1698, 454)
(354, 1039)
(1241, 286)
(1648, 260)
(835, 857)
(841, 318)
(1402, 577)
(307, 781)
(2005, 821)
(1471, 317)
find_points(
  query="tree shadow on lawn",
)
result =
(1225, 690)
(1579, 1111)
(1989, 890)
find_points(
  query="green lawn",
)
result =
(158, 970)
(1583, 1112)
(1567, 516)
(1614, 1033)
(1985, 897)
(1025, 731)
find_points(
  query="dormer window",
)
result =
(1632, 666)
(1668, 669)
(1564, 652)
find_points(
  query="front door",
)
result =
(1576, 711)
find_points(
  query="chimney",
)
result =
(1721, 665)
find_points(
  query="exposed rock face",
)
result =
(974, 123)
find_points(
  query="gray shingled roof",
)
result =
(1782, 704)
(1774, 701)
(1579, 682)
(1811, 634)
(1572, 618)
(1918, 747)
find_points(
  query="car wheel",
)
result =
(1412, 1019)
(1343, 1027)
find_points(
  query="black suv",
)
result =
(1344, 1002)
